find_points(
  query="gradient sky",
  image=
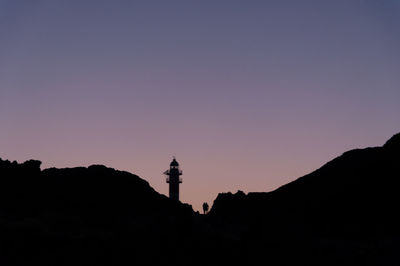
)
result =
(246, 94)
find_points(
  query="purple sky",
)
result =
(246, 94)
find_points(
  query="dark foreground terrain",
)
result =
(345, 213)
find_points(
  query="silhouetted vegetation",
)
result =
(344, 213)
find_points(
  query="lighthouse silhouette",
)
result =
(173, 179)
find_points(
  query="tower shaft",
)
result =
(174, 188)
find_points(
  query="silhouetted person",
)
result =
(205, 207)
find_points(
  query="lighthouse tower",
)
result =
(173, 179)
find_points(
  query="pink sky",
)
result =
(247, 95)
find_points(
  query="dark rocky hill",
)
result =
(86, 216)
(345, 213)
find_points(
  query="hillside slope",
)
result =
(345, 213)
(86, 216)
